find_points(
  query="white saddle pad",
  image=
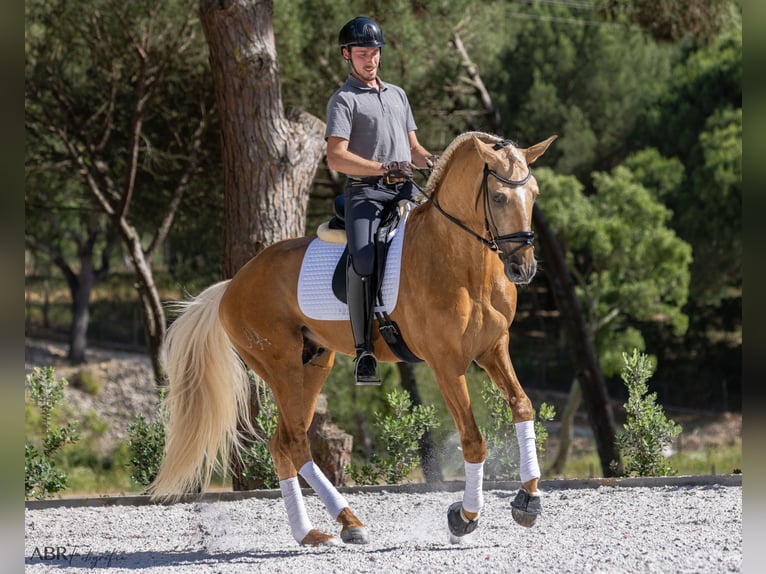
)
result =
(315, 296)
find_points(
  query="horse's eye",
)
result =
(499, 199)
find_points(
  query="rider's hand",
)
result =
(431, 161)
(397, 171)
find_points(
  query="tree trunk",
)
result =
(583, 354)
(152, 312)
(80, 288)
(428, 458)
(566, 430)
(269, 156)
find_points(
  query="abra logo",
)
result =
(76, 553)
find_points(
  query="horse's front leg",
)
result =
(463, 516)
(526, 507)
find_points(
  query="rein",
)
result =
(493, 239)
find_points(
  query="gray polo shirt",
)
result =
(375, 123)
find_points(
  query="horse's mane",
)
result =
(444, 160)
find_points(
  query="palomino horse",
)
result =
(457, 298)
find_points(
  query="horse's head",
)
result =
(508, 192)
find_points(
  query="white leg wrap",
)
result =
(333, 500)
(473, 497)
(528, 466)
(296, 511)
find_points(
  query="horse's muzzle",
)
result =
(520, 271)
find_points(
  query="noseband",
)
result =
(493, 238)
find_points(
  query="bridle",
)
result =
(493, 238)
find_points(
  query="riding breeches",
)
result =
(367, 202)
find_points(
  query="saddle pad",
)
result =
(315, 296)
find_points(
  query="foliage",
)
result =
(584, 83)
(628, 265)
(401, 433)
(146, 443)
(670, 21)
(647, 431)
(256, 459)
(42, 475)
(502, 461)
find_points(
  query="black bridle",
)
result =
(493, 238)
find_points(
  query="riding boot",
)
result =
(360, 294)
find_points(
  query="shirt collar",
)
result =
(360, 85)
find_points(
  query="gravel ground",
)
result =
(671, 527)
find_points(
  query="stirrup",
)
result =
(367, 378)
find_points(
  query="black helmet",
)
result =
(362, 32)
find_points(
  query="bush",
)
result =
(502, 448)
(646, 431)
(146, 444)
(42, 476)
(401, 433)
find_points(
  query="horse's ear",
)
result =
(532, 153)
(485, 151)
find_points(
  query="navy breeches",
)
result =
(366, 205)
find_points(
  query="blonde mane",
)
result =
(444, 160)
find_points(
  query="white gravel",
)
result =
(605, 529)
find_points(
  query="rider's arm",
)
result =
(419, 153)
(344, 161)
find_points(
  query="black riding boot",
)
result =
(360, 293)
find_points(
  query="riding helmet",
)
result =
(362, 32)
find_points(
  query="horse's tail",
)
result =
(207, 397)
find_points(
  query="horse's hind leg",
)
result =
(497, 363)
(291, 451)
(316, 368)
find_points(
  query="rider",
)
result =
(371, 138)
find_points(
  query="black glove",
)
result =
(431, 161)
(397, 170)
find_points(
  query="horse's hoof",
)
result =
(459, 526)
(525, 508)
(357, 535)
(316, 538)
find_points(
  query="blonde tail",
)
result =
(208, 392)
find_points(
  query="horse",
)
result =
(467, 245)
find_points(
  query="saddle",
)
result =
(334, 231)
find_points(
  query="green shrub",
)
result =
(401, 433)
(502, 461)
(42, 475)
(646, 431)
(146, 444)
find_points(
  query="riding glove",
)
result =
(431, 161)
(397, 171)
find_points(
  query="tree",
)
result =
(270, 154)
(586, 83)
(113, 103)
(670, 21)
(628, 266)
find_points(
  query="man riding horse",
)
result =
(370, 138)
